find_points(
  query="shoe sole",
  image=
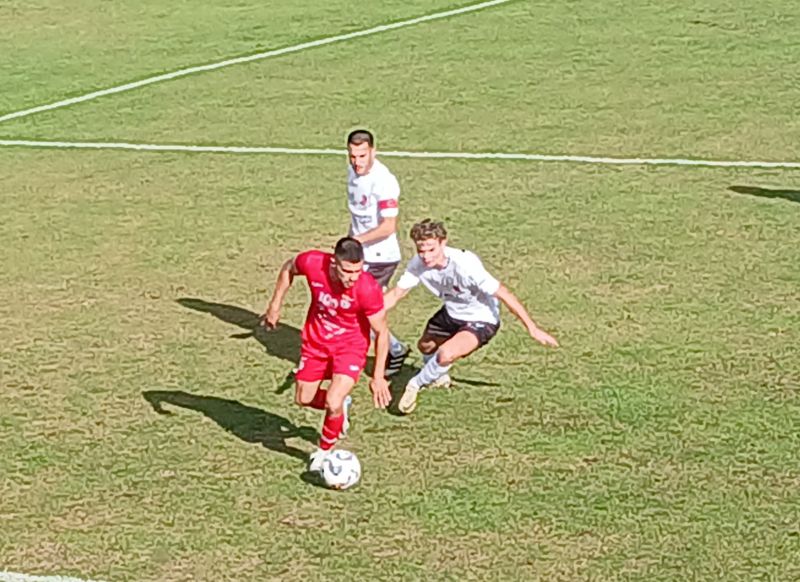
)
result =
(410, 409)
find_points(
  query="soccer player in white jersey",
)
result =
(470, 316)
(372, 198)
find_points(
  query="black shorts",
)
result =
(382, 272)
(441, 325)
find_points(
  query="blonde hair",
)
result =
(428, 229)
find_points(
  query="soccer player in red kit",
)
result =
(345, 304)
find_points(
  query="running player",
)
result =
(470, 316)
(345, 304)
(372, 198)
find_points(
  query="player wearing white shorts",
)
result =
(373, 200)
(470, 316)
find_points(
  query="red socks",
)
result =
(331, 429)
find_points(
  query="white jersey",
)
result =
(370, 198)
(464, 285)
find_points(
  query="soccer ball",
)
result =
(341, 469)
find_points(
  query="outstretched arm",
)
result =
(285, 278)
(378, 385)
(391, 297)
(515, 307)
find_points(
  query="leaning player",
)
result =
(470, 316)
(345, 304)
(372, 198)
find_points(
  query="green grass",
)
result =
(659, 443)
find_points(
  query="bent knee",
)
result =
(303, 397)
(447, 356)
(334, 406)
(426, 345)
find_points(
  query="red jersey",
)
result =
(337, 317)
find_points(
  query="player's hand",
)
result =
(381, 396)
(543, 337)
(270, 319)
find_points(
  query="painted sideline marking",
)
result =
(149, 147)
(250, 58)
(15, 577)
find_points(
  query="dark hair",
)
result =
(349, 249)
(428, 229)
(359, 136)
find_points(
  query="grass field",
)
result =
(148, 433)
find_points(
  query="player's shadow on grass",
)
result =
(790, 195)
(282, 342)
(248, 423)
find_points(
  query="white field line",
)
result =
(250, 58)
(399, 154)
(15, 577)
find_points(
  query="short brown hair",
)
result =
(428, 229)
(359, 136)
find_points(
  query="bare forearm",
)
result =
(385, 229)
(282, 285)
(391, 297)
(515, 307)
(381, 352)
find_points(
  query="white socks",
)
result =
(430, 371)
(396, 347)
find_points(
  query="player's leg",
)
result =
(428, 346)
(314, 367)
(351, 364)
(438, 329)
(459, 346)
(398, 351)
(309, 394)
(436, 368)
(311, 371)
(468, 337)
(455, 347)
(346, 369)
(338, 392)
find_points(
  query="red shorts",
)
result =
(318, 363)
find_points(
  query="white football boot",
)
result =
(408, 402)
